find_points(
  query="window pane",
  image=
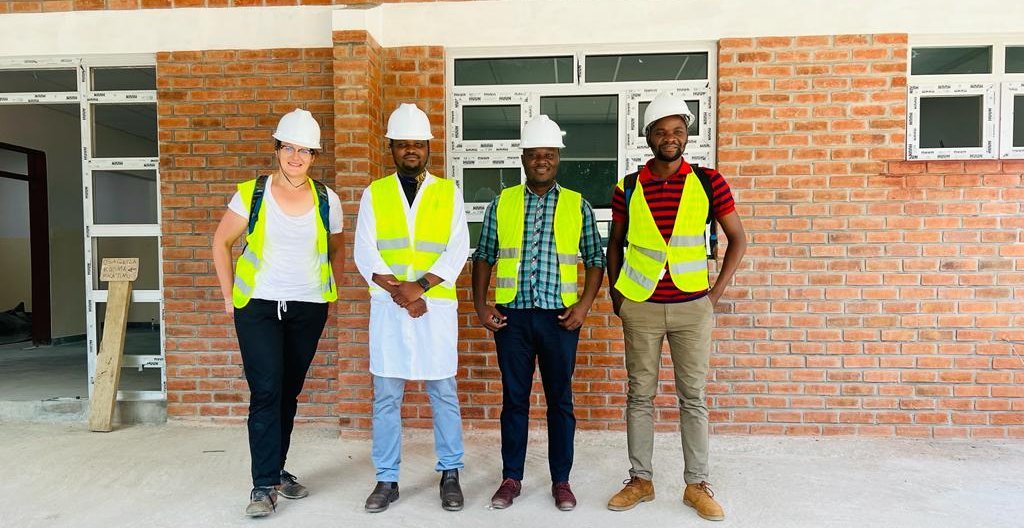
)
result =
(142, 337)
(1015, 59)
(1018, 121)
(495, 122)
(124, 130)
(589, 161)
(647, 67)
(475, 228)
(939, 61)
(35, 81)
(124, 197)
(105, 79)
(692, 130)
(517, 70)
(951, 122)
(146, 249)
(485, 184)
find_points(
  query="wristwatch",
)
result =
(424, 283)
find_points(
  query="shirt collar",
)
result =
(646, 175)
(554, 189)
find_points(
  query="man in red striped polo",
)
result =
(658, 277)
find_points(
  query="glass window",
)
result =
(106, 79)
(1015, 59)
(951, 122)
(692, 130)
(475, 228)
(589, 161)
(514, 70)
(1018, 121)
(36, 81)
(647, 67)
(481, 185)
(490, 122)
(146, 249)
(941, 61)
(142, 337)
(124, 130)
(124, 197)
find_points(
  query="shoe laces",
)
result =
(260, 493)
(289, 477)
(705, 486)
(631, 480)
(508, 484)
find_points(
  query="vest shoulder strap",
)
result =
(324, 204)
(257, 201)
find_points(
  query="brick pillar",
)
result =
(358, 146)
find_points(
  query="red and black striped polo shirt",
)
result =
(663, 199)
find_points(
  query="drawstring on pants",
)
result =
(282, 306)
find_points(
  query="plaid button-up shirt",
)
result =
(539, 284)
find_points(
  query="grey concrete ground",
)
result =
(178, 475)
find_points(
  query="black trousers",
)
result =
(276, 354)
(534, 337)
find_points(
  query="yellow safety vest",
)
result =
(412, 257)
(568, 225)
(248, 264)
(648, 253)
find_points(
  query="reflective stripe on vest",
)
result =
(648, 252)
(248, 264)
(412, 257)
(568, 224)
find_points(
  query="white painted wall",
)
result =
(489, 23)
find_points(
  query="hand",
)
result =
(229, 307)
(417, 308)
(616, 300)
(384, 281)
(572, 318)
(491, 318)
(713, 296)
(405, 292)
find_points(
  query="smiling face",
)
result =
(410, 155)
(667, 138)
(541, 165)
(294, 160)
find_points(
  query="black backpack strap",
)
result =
(705, 181)
(257, 201)
(324, 205)
(629, 185)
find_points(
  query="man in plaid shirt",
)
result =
(535, 234)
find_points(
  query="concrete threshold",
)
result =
(59, 410)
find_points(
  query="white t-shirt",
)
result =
(290, 270)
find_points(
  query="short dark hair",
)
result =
(277, 146)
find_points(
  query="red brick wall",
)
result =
(37, 6)
(217, 111)
(878, 295)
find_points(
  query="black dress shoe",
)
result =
(383, 495)
(451, 491)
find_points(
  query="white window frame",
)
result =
(700, 149)
(85, 97)
(996, 88)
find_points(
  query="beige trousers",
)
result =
(688, 329)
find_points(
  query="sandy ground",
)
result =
(189, 476)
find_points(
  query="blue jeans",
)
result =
(387, 425)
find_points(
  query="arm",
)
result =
(231, 227)
(733, 228)
(365, 254)
(483, 264)
(590, 248)
(616, 241)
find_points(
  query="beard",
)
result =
(668, 159)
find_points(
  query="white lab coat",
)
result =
(424, 348)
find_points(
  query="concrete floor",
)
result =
(178, 475)
(29, 373)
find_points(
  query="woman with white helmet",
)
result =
(278, 292)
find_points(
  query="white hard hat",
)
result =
(541, 131)
(299, 128)
(408, 122)
(664, 105)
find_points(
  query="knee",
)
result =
(692, 396)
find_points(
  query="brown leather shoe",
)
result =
(699, 497)
(509, 490)
(564, 499)
(637, 490)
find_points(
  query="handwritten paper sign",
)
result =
(119, 269)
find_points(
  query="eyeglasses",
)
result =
(289, 150)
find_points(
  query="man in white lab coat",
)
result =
(411, 244)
